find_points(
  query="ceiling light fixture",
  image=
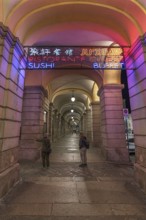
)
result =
(73, 98)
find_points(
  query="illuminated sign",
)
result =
(74, 57)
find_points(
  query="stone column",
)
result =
(55, 124)
(12, 74)
(84, 123)
(46, 110)
(81, 124)
(112, 124)
(59, 125)
(89, 131)
(50, 119)
(63, 126)
(96, 118)
(66, 127)
(32, 122)
(136, 74)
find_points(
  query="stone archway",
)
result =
(34, 104)
(38, 23)
(112, 122)
(38, 96)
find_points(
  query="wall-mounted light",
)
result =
(72, 110)
(73, 98)
(45, 116)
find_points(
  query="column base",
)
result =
(8, 179)
(96, 144)
(29, 154)
(140, 176)
(119, 155)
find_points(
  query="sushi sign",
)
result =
(74, 57)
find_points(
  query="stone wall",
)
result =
(96, 118)
(112, 123)
(32, 126)
(89, 128)
(12, 65)
(136, 73)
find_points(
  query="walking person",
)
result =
(45, 150)
(83, 150)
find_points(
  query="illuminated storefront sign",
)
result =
(74, 57)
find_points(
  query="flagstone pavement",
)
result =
(65, 191)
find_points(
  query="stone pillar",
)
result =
(50, 119)
(89, 131)
(32, 122)
(112, 124)
(66, 127)
(46, 110)
(96, 124)
(12, 74)
(136, 75)
(55, 124)
(59, 125)
(81, 124)
(84, 123)
(63, 126)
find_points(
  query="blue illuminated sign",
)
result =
(74, 57)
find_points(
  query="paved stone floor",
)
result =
(64, 191)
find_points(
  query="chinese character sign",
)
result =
(74, 57)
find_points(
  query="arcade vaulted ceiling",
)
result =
(74, 22)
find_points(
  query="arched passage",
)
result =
(86, 84)
(53, 24)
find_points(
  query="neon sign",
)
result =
(74, 57)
